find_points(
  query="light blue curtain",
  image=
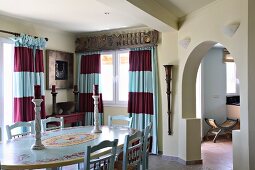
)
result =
(88, 75)
(143, 91)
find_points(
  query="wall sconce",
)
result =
(185, 42)
(168, 70)
(230, 29)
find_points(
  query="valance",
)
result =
(25, 40)
(116, 41)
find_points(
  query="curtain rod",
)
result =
(16, 34)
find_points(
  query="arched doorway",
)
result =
(189, 79)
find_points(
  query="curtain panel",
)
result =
(143, 90)
(89, 69)
(28, 71)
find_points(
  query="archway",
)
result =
(189, 80)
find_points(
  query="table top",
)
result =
(63, 147)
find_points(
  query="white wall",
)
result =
(168, 54)
(58, 40)
(205, 28)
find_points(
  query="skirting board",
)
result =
(173, 158)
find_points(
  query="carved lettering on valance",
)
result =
(116, 41)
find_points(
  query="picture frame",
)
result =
(59, 69)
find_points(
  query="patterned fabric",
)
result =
(28, 71)
(69, 139)
(89, 69)
(143, 90)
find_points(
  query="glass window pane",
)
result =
(123, 76)
(107, 76)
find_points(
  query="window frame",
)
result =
(4, 120)
(116, 70)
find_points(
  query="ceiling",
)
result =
(94, 15)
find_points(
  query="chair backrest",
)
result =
(105, 161)
(146, 145)
(146, 138)
(45, 122)
(211, 122)
(122, 118)
(22, 129)
(132, 150)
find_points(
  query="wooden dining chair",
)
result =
(105, 161)
(131, 157)
(146, 146)
(51, 123)
(20, 129)
(112, 119)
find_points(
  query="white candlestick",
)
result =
(96, 119)
(38, 143)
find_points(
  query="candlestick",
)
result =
(75, 88)
(37, 90)
(54, 107)
(38, 143)
(76, 92)
(53, 88)
(96, 119)
(95, 90)
(168, 71)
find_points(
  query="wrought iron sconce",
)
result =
(168, 70)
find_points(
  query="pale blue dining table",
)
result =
(62, 147)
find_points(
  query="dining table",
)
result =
(63, 147)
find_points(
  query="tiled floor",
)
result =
(216, 156)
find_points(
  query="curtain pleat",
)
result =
(28, 71)
(142, 97)
(89, 69)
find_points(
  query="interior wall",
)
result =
(203, 26)
(168, 54)
(214, 87)
(58, 40)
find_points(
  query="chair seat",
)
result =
(216, 129)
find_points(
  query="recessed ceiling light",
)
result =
(107, 13)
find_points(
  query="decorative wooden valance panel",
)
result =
(116, 41)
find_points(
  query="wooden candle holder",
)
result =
(168, 71)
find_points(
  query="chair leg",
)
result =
(217, 134)
(80, 166)
(147, 161)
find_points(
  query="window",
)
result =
(6, 72)
(114, 77)
(231, 77)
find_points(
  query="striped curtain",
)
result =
(28, 71)
(143, 90)
(89, 69)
